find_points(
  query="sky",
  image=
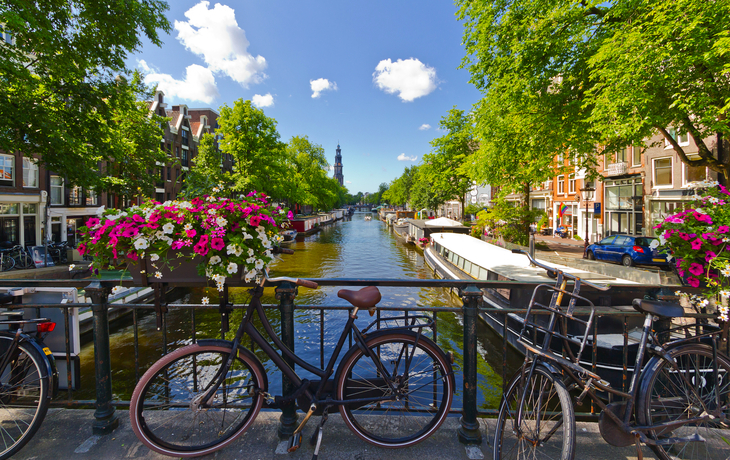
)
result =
(375, 77)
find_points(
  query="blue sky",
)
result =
(382, 72)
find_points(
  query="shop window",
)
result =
(7, 170)
(662, 172)
(56, 190)
(30, 173)
(636, 157)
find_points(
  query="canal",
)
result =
(353, 248)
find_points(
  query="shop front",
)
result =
(20, 220)
(624, 202)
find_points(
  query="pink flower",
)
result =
(696, 269)
(684, 236)
(82, 247)
(154, 217)
(201, 249)
(133, 255)
(130, 232)
(680, 271)
(290, 215)
(696, 244)
(93, 222)
(723, 229)
(218, 244)
(138, 218)
(191, 233)
(694, 282)
(709, 255)
(177, 244)
(255, 221)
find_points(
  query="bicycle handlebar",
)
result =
(555, 270)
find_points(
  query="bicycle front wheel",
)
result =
(546, 429)
(668, 394)
(23, 261)
(167, 412)
(24, 398)
(413, 389)
(8, 263)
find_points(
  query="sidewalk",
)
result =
(66, 433)
(565, 247)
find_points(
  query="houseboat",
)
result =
(306, 225)
(459, 256)
(423, 228)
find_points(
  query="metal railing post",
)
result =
(285, 294)
(106, 418)
(469, 432)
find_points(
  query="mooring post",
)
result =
(106, 418)
(285, 294)
(469, 432)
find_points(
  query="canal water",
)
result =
(353, 248)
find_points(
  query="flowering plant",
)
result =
(225, 235)
(699, 239)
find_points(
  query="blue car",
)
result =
(627, 250)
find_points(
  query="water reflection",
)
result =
(348, 249)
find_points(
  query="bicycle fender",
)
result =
(376, 334)
(50, 361)
(241, 351)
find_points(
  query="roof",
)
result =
(443, 222)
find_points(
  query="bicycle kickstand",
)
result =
(318, 434)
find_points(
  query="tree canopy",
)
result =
(61, 99)
(306, 178)
(572, 76)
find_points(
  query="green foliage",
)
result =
(60, 98)
(306, 180)
(473, 209)
(508, 221)
(564, 77)
(206, 172)
(399, 191)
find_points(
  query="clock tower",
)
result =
(338, 166)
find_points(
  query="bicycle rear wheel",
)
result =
(166, 410)
(8, 263)
(23, 260)
(547, 428)
(665, 396)
(420, 373)
(23, 396)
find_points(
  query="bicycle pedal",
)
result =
(295, 442)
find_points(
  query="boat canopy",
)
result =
(443, 222)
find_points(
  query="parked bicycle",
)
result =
(15, 257)
(678, 403)
(200, 398)
(28, 378)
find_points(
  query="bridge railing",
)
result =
(479, 298)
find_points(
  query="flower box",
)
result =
(205, 240)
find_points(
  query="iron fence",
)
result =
(480, 298)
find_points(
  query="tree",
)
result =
(60, 98)
(443, 167)
(206, 172)
(399, 191)
(307, 181)
(251, 137)
(577, 75)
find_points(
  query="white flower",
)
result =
(261, 230)
(239, 251)
(71, 267)
(246, 236)
(251, 260)
(188, 227)
(232, 268)
(117, 290)
(249, 276)
(168, 228)
(654, 244)
(141, 243)
(205, 301)
(210, 198)
(250, 252)
(214, 260)
(220, 279)
(221, 221)
(231, 249)
(725, 293)
(154, 257)
(158, 275)
(100, 211)
(259, 264)
(167, 240)
(678, 293)
(725, 272)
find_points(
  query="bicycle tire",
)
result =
(426, 392)
(23, 261)
(664, 396)
(546, 399)
(24, 397)
(8, 263)
(163, 409)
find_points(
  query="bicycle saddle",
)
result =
(366, 297)
(656, 307)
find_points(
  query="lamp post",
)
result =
(586, 194)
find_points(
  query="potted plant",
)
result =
(209, 238)
(698, 239)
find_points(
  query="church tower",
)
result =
(338, 166)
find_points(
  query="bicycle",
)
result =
(677, 403)
(28, 379)
(200, 398)
(22, 259)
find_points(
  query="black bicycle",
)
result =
(28, 378)
(200, 398)
(678, 402)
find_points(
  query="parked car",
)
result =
(627, 250)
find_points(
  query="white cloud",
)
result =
(404, 157)
(321, 84)
(348, 182)
(214, 35)
(267, 100)
(409, 79)
(424, 127)
(198, 84)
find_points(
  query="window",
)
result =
(56, 190)
(184, 158)
(571, 183)
(561, 185)
(560, 159)
(177, 152)
(91, 198)
(74, 196)
(7, 170)
(622, 156)
(185, 137)
(694, 173)
(681, 138)
(30, 173)
(162, 174)
(636, 157)
(663, 172)
(169, 173)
